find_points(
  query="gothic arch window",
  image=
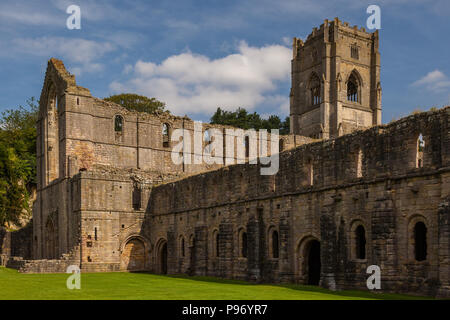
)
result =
(419, 151)
(166, 135)
(360, 242)
(274, 244)
(353, 88)
(118, 124)
(420, 241)
(315, 90)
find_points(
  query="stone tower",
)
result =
(335, 81)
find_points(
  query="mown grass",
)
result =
(138, 286)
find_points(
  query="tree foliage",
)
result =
(139, 103)
(244, 120)
(17, 160)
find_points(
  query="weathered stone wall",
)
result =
(387, 200)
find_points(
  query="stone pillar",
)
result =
(286, 273)
(253, 250)
(201, 250)
(171, 252)
(328, 251)
(226, 249)
(444, 248)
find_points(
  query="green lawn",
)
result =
(98, 286)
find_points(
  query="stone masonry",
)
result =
(349, 192)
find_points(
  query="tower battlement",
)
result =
(336, 85)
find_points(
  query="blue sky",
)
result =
(198, 55)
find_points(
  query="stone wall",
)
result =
(389, 197)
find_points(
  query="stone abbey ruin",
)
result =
(350, 192)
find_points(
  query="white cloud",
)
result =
(84, 53)
(196, 84)
(435, 81)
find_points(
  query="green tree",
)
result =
(139, 103)
(17, 160)
(244, 120)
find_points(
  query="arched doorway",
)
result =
(163, 258)
(133, 255)
(313, 263)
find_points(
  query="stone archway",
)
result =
(313, 263)
(133, 255)
(163, 258)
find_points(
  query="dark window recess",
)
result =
(166, 135)
(360, 242)
(275, 251)
(89, 244)
(95, 232)
(420, 241)
(244, 244)
(118, 124)
(137, 195)
(217, 246)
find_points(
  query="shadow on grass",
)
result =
(304, 288)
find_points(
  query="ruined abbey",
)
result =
(350, 192)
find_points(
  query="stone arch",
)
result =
(51, 134)
(354, 85)
(308, 262)
(315, 89)
(273, 241)
(356, 239)
(161, 256)
(134, 254)
(412, 244)
(242, 242)
(51, 239)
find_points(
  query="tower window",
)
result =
(420, 241)
(166, 135)
(354, 52)
(247, 146)
(315, 90)
(352, 89)
(118, 123)
(359, 164)
(420, 149)
(360, 236)
(310, 172)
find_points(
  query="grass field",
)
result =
(100, 286)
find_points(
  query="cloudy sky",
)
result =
(197, 55)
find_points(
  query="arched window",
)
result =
(118, 124)
(275, 245)
(314, 85)
(419, 153)
(166, 135)
(352, 89)
(182, 247)
(360, 243)
(420, 241)
(354, 51)
(243, 244)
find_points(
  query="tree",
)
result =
(17, 160)
(139, 103)
(244, 120)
